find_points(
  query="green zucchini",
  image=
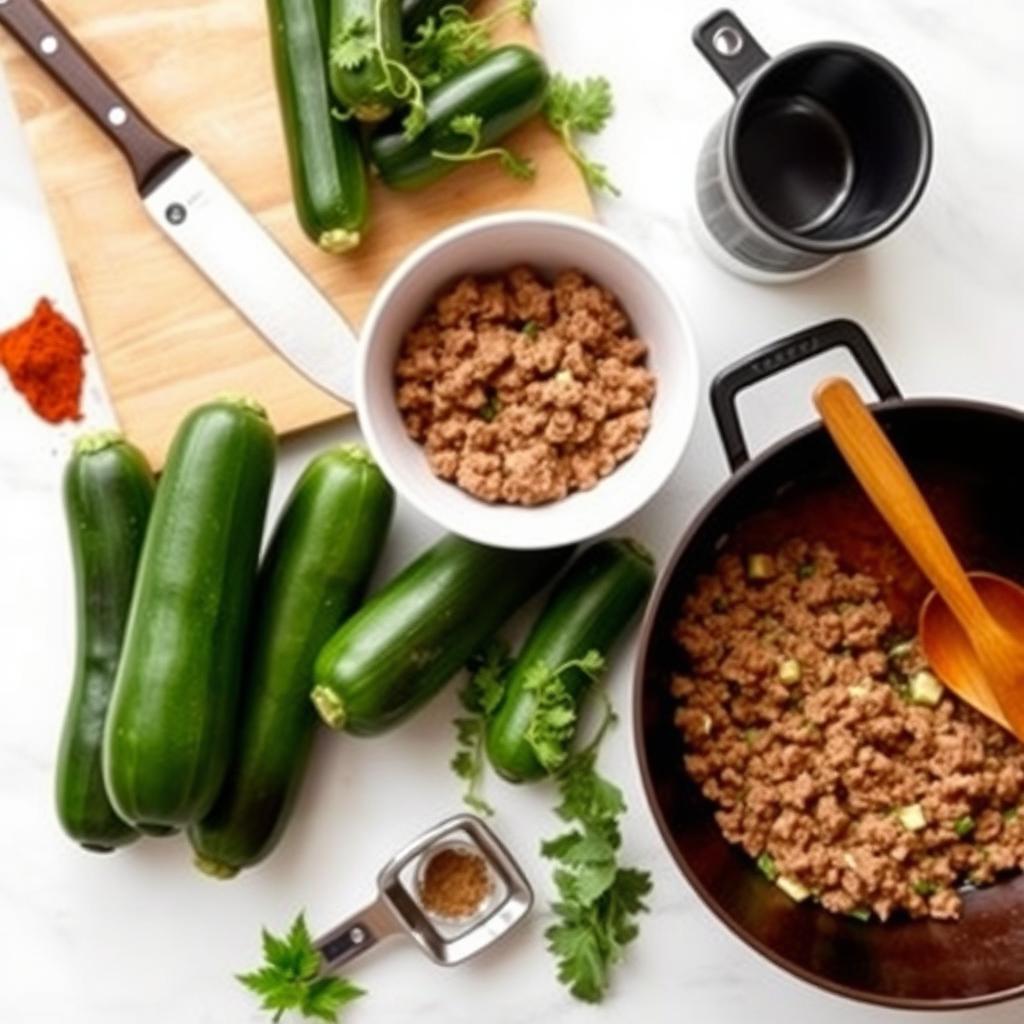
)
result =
(168, 732)
(371, 31)
(325, 154)
(416, 12)
(317, 566)
(108, 492)
(592, 605)
(504, 89)
(408, 640)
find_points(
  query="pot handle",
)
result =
(729, 48)
(780, 355)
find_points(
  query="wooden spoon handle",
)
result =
(892, 491)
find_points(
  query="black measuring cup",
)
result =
(827, 149)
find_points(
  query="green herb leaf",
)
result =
(552, 724)
(519, 167)
(451, 41)
(325, 998)
(290, 979)
(359, 42)
(353, 44)
(766, 865)
(531, 329)
(581, 107)
(599, 900)
(471, 126)
(964, 826)
(480, 698)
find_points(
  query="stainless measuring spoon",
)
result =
(398, 909)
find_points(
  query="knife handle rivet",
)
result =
(49, 45)
(176, 214)
(117, 116)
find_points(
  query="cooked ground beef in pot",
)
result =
(523, 392)
(834, 757)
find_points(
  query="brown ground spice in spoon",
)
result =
(455, 883)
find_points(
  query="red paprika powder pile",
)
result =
(43, 357)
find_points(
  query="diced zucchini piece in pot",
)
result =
(760, 567)
(790, 672)
(901, 650)
(926, 689)
(912, 817)
(792, 888)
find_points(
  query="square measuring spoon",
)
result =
(399, 908)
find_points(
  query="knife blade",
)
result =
(199, 213)
(205, 220)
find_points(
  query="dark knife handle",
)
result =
(149, 153)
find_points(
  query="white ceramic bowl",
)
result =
(550, 242)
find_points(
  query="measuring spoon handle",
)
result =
(892, 491)
(356, 935)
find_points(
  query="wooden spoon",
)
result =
(970, 628)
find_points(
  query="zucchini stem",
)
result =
(214, 868)
(246, 402)
(338, 241)
(90, 444)
(329, 706)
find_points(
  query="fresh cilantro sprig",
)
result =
(480, 698)
(581, 107)
(358, 43)
(453, 40)
(553, 722)
(598, 899)
(471, 126)
(354, 44)
(290, 978)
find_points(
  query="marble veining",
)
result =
(141, 936)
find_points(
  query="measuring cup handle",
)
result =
(356, 935)
(729, 48)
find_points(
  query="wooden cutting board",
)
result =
(201, 70)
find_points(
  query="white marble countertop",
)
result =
(142, 937)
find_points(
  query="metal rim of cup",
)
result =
(840, 245)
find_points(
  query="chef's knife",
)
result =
(197, 212)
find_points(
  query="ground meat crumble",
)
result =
(523, 392)
(809, 725)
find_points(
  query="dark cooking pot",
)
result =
(968, 449)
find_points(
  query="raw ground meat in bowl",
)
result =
(523, 390)
(650, 332)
